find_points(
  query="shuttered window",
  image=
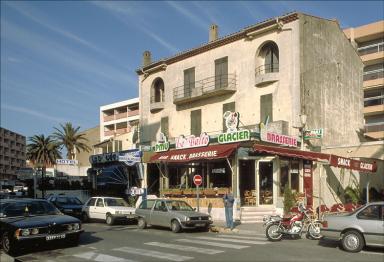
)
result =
(164, 126)
(196, 122)
(189, 81)
(221, 73)
(227, 107)
(266, 107)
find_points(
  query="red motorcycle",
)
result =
(277, 226)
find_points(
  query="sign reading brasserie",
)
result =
(271, 137)
(162, 144)
(183, 142)
(233, 134)
(190, 156)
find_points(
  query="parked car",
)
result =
(174, 214)
(108, 209)
(69, 205)
(25, 222)
(362, 227)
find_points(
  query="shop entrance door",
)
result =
(247, 183)
(265, 179)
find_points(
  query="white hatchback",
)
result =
(108, 209)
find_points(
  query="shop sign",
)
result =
(183, 142)
(281, 139)
(190, 156)
(243, 135)
(307, 170)
(66, 162)
(218, 171)
(314, 134)
(352, 164)
(231, 121)
(162, 144)
(129, 158)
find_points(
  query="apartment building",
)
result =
(369, 42)
(12, 154)
(234, 110)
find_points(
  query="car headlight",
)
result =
(209, 218)
(69, 227)
(187, 219)
(24, 232)
(76, 226)
(34, 231)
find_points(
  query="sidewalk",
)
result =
(247, 229)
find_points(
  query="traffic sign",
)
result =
(198, 180)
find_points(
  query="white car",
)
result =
(108, 209)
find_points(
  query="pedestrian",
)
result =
(228, 206)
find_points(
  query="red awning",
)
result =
(333, 160)
(282, 151)
(195, 154)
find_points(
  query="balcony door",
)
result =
(221, 73)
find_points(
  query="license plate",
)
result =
(53, 237)
(200, 225)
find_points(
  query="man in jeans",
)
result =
(228, 205)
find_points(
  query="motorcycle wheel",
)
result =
(272, 234)
(314, 231)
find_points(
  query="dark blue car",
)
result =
(69, 205)
(26, 222)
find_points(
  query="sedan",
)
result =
(26, 222)
(363, 227)
(175, 214)
(69, 205)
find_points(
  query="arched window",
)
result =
(270, 53)
(157, 92)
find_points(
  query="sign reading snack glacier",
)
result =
(66, 162)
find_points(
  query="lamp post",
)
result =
(303, 120)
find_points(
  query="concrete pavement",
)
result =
(246, 229)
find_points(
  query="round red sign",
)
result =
(197, 179)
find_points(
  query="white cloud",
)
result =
(32, 112)
(197, 20)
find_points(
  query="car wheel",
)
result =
(175, 226)
(352, 241)
(8, 245)
(141, 223)
(109, 220)
(84, 217)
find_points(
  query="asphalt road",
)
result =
(101, 242)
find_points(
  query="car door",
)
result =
(89, 207)
(99, 209)
(371, 221)
(159, 215)
(145, 209)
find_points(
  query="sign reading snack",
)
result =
(162, 144)
(192, 141)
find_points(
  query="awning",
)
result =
(333, 160)
(196, 154)
(282, 151)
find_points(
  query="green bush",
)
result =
(289, 199)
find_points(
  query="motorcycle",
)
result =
(277, 226)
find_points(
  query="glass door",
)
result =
(265, 182)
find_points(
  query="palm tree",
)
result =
(42, 152)
(69, 137)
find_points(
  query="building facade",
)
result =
(230, 111)
(369, 43)
(12, 154)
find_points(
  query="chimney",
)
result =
(213, 33)
(147, 58)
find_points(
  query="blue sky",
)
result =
(60, 61)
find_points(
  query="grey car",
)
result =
(363, 227)
(174, 214)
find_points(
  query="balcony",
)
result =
(375, 130)
(208, 87)
(133, 112)
(371, 49)
(121, 115)
(120, 131)
(374, 74)
(266, 74)
(109, 133)
(157, 103)
(109, 118)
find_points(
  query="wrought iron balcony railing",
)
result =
(267, 68)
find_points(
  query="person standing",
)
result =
(228, 206)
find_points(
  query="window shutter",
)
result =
(266, 107)
(227, 107)
(221, 73)
(196, 122)
(189, 81)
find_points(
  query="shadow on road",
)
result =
(336, 244)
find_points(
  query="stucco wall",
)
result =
(331, 81)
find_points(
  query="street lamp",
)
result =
(303, 119)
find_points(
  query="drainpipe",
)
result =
(368, 191)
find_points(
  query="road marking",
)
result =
(234, 240)
(101, 257)
(208, 243)
(151, 253)
(372, 253)
(243, 237)
(185, 248)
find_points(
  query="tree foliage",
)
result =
(289, 199)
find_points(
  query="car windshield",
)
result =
(68, 201)
(27, 208)
(115, 202)
(179, 206)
